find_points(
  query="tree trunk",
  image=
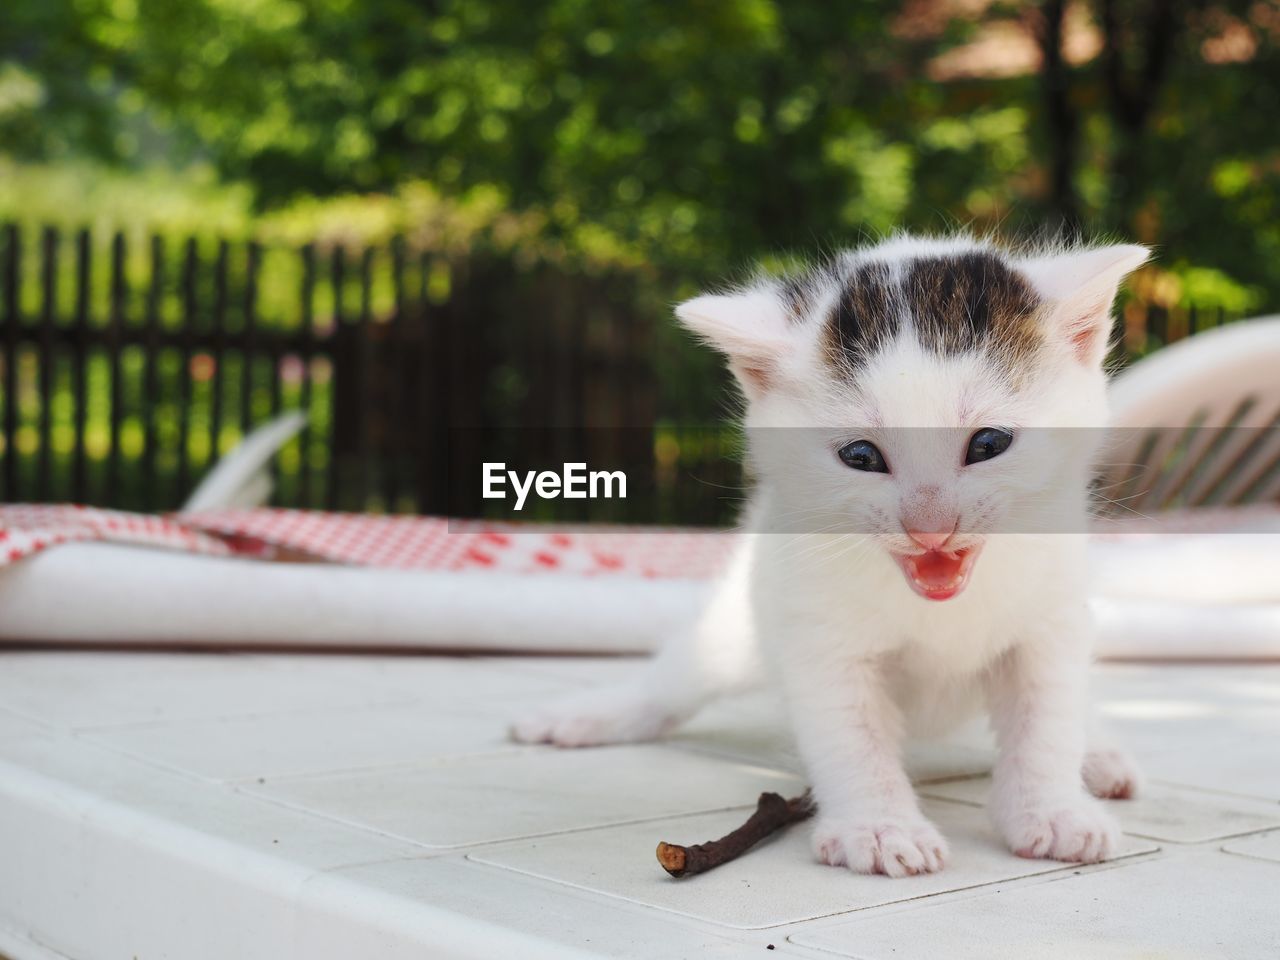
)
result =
(1055, 84)
(1133, 89)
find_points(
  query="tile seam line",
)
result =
(962, 894)
(1052, 872)
(164, 723)
(294, 777)
(277, 877)
(395, 767)
(473, 845)
(511, 748)
(402, 699)
(86, 809)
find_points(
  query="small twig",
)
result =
(772, 813)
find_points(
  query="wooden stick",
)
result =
(772, 813)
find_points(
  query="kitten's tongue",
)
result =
(938, 575)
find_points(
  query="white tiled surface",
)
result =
(1165, 812)
(321, 806)
(1191, 908)
(458, 710)
(490, 797)
(1210, 728)
(1265, 847)
(135, 688)
(13, 725)
(778, 884)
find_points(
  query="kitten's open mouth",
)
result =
(938, 574)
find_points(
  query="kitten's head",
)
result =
(918, 391)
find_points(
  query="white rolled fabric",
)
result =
(112, 594)
(1176, 597)
(1200, 568)
(1188, 596)
(1164, 630)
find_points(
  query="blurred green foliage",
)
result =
(696, 136)
(676, 142)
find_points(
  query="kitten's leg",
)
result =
(849, 732)
(665, 692)
(715, 657)
(1109, 771)
(1037, 697)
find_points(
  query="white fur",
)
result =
(860, 658)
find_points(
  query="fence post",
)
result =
(275, 356)
(219, 331)
(433, 439)
(12, 278)
(80, 364)
(396, 356)
(367, 396)
(337, 278)
(47, 351)
(190, 311)
(155, 290)
(249, 342)
(464, 416)
(116, 321)
(307, 295)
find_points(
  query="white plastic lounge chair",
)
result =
(241, 478)
(1198, 423)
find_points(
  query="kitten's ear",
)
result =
(1078, 289)
(749, 327)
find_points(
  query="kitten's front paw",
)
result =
(607, 715)
(1076, 830)
(1111, 774)
(895, 846)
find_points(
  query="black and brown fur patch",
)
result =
(955, 303)
(973, 301)
(797, 293)
(867, 314)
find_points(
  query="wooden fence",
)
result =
(130, 363)
(123, 382)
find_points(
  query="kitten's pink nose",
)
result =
(930, 541)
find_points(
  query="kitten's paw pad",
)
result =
(1077, 832)
(594, 718)
(897, 847)
(1111, 774)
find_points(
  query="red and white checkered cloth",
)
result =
(596, 589)
(402, 543)
(437, 544)
(434, 543)
(26, 529)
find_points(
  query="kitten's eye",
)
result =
(863, 455)
(987, 443)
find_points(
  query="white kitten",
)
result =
(904, 406)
